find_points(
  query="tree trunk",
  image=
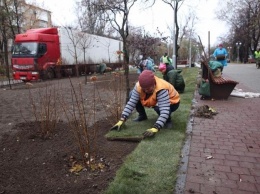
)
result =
(5, 44)
(126, 68)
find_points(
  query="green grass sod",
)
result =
(152, 167)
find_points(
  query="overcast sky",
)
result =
(161, 15)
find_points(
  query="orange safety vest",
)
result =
(160, 85)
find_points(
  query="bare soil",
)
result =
(31, 163)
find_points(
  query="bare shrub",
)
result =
(115, 96)
(79, 118)
(45, 108)
(49, 106)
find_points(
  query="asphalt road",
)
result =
(246, 74)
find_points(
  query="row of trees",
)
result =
(243, 16)
(105, 18)
(112, 18)
(95, 15)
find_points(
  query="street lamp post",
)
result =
(197, 52)
(190, 50)
(238, 44)
(173, 40)
(229, 53)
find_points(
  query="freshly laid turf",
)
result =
(152, 167)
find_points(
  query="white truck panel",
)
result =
(97, 48)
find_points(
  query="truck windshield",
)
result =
(25, 48)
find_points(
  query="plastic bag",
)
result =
(217, 73)
(204, 88)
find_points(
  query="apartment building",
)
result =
(30, 15)
(34, 16)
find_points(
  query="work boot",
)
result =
(168, 124)
(140, 118)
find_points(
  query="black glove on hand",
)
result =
(117, 126)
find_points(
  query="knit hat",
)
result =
(162, 66)
(146, 79)
(220, 45)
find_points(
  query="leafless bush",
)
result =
(48, 107)
(115, 96)
(79, 120)
(45, 108)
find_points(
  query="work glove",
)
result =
(117, 126)
(150, 132)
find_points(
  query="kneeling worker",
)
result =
(174, 77)
(151, 91)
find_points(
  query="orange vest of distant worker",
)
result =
(160, 85)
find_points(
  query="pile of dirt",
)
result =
(205, 111)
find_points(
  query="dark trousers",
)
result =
(173, 108)
(140, 109)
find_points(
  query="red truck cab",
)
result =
(35, 54)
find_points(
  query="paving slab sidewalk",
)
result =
(224, 152)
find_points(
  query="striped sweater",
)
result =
(163, 102)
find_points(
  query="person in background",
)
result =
(101, 68)
(257, 58)
(167, 61)
(139, 64)
(220, 55)
(148, 64)
(154, 92)
(174, 77)
(145, 63)
(150, 59)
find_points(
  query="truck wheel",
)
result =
(48, 74)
